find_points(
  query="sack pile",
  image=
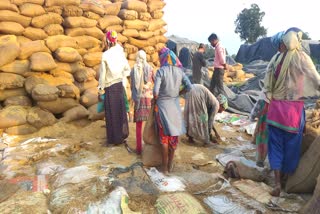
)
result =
(51, 51)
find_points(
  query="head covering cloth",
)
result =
(167, 57)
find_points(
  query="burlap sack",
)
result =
(18, 101)
(10, 80)
(85, 74)
(93, 114)
(44, 92)
(95, 32)
(17, 67)
(5, 94)
(53, 29)
(49, 3)
(87, 42)
(155, 24)
(86, 85)
(136, 5)
(10, 16)
(239, 170)
(8, 39)
(69, 67)
(160, 32)
(92, 59)
(108, 20)
(23, 39)
(136, 24)
(152, 155)
(58, 106)
(154, 57)
(71, 10)
(31, 10)
(32, 81)
(149, 50)
(13, 116)
(8, 52)
(46, 19)
(145, 34)
(55, 9)
(138, 43)
(72, 22)
(89, 97)
(130, 33)
(62, 74)
(122, 39)
(11, 28)
(39, 118)
(35, 33)
(155, 5)
(82, 51)
(307, 141)
(112, 9)
(132, 56)
(21, 130)
(91, 15)
(29, 48)
(117, 28)
(145, 16)
(128, 14)
(42, 61)
(157, 14)
(58, 41)
(75, 113)
(21, 2)
(304, 178)
(66, 54)
(69, 91)
(150, 133)
(6, 5)
(92, 5)
(130, 48)
(313, 205)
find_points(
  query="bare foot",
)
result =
(165, 170)
(170, 167)
(276, 191)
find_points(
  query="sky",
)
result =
(197, 19)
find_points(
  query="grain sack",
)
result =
(5, 94)
(136, 5)
(89, 97)
(29, 48)
(18, 101)
(128, 14)
(58, 41)
(93, 114)
(69, 67)
(136, 24)
(66, 54)
(85, 74)
(72, 32)
(159, 46)
(75, 113)
(49, 3)
(72, 22)
(112, 9)
(130, 33)
(17, 67)
(154, 57)
(46, 19)
(95, 32)
(32, 81)
(156, 40)
(95, 49)
(53, 29)
(87, 42)
(138, 43)
(11, 28)
(108, 20)
(44, 92)
(39, 118)
(304, 178)
(132, 56)
(9, 81)
(155, 24)
(86, 85)
(152, 155)
(62, 74)
(145, 16)
(21, 2)
(35, 33)
(58, 106)
(155, 5)
(13, 116)
(23, 39)
(145, 34)
(8, 52)
(149, 50)
(157, 14)
(6, 5)
(8, 39)
(92, 59)
(69, 91)
(54, 9)
(21, 130)
(130, 48)
(312, 207)
(10, 16)
(121, 38)
(131, 63)
(160, 32)
(82, 51)
(42, 61)
(92, 5)
(31, 10)
(117, 28)
(307, 141)
(71, 10)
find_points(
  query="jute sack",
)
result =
(8, 39)
(130, 33)
(66, 54)
(53, 29)
(71, 10)
(145, 16)
(94, 6)
(49, 3)
(39, 118)
(10, 80)
(42, 61)
(21, 130)
(94, 115)
(154, 57)
(136, 24)
(307, 140)
(23, 39)
(58, 41)
(87, 42)
(130, 48)
(149, 50)
(72, 22)
(313, 204)
(11, 28)
(121, 38)
(86, 85)
(32, 81)
(18, 101)
(85, 74)
(72, 32)
(155, 5)
(8, 52)
(46, 19)
(69, 91)
(69, 67)
(35, 33)
(156, 40)
(150, 133)
(95, 32)
(132, 56)
(156, 24)
(89, 97)
(10, 16)
(157, 14)
(152, 155)
(91, 15)
(29, 48)
(117, 28)
(31, 10)
(92, 59)
(160, 32)
(112, 9)
(7, 93)
(136, 5)
(128, 14)
(17, 67)
(7, 5)
(82, 51)
(21, 2)
(304, 178)
(13, 116)
(108, 20)
(55, 9)
(145, 34)
(63, 74)
(44, 92)
(159, 46)
(58, 106)
(138, 43)
(75, 113)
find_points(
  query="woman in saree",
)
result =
(291, 77)
(169, 119)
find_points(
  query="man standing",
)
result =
(219, 64)
(198, 62)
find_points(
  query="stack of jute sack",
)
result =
(51, 51)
